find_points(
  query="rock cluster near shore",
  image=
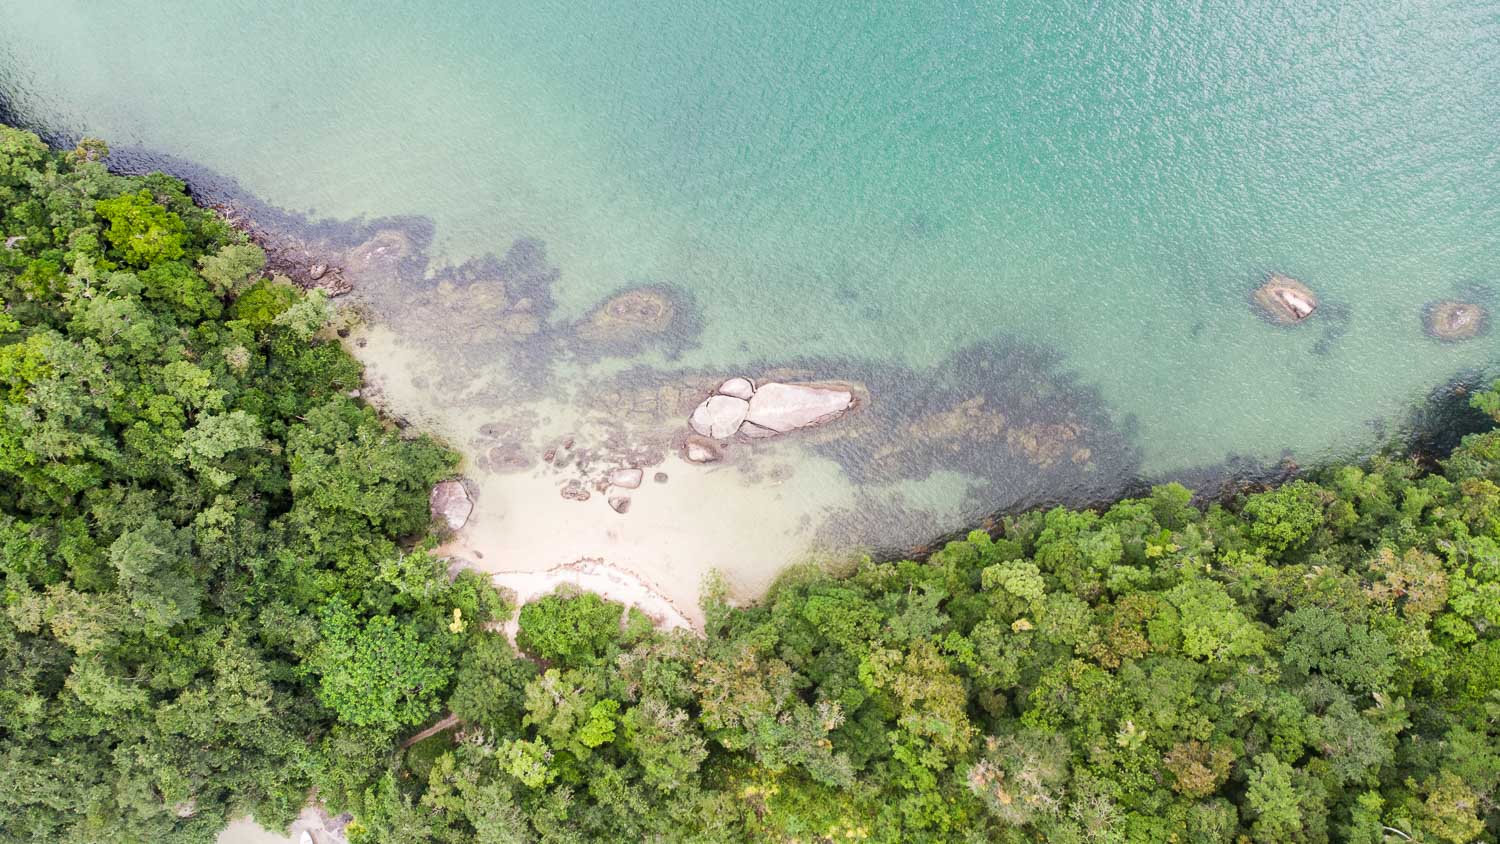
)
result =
(738, 407)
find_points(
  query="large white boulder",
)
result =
(719, 417)
(451, 503)
(626, 478)
(787, 407)
(740, 388)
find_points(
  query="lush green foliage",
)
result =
(206, 598)
(1314, 663)
(208, 608)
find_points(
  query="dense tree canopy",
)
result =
(216, 600)
(207, 586)
(1314, 663)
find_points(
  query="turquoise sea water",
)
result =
(886, 182)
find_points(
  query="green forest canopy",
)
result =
(218, 598)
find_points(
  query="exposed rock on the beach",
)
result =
(1284, 300)
(574, 490)
(451, 503)
(660, 477)
(719, 416)
(1452, 321)
(317, 271)
(774, 408)
(620, 503)
(787, 407)
(637, 319)
(626, 478)
(700, 449)
(740, 388)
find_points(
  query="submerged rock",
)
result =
(1285, 300)
(637, 319)
(1452, 321)
(620, 504)
(382, 253)
(506, 458)
(719, 416)
(451, 503)
(787, 407)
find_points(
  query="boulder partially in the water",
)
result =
(772, 409)
(626, 478)
(1285, 300)
(451, 503)
(1452, 321)
(719, 416)
(701, 449)
(787, 407)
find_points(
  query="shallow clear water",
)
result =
(868, 190)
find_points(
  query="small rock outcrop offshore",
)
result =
(1451, 321)
(1285, 300)
(739, 407)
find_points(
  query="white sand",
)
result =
(704, 518)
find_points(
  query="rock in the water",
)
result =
(719, 417)
(506, 458)
(451, 503)
(1284, 300)
(520, 325)
(382, 254)
(1451, 321)
(698, 449)
(633, 320)
(660, 477)
(740, 388)
(620, 503)
(787, 407)
(626, 478)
